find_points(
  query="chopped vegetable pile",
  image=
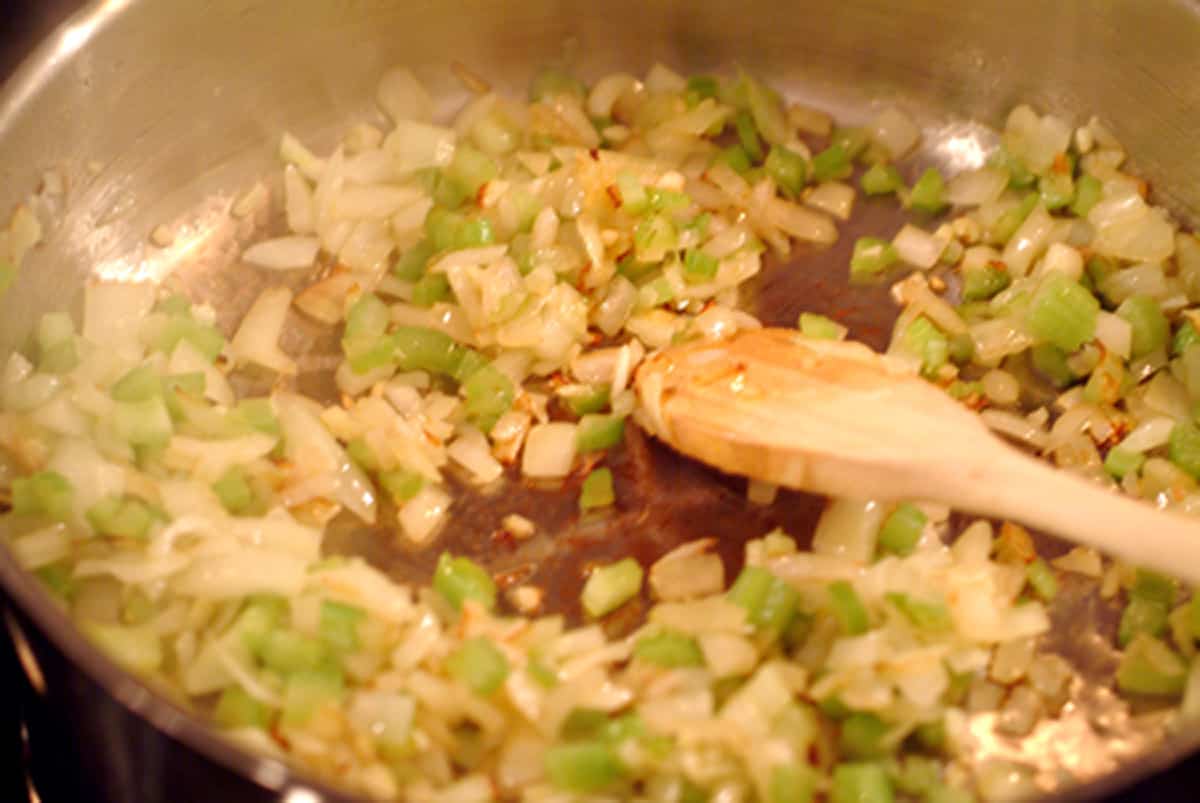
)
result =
(496, 281)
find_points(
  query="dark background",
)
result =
(22, 24)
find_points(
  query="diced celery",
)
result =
(368, 354)
(1051, 362)
(1088, 190)
(1041, 579)
(593, 401)
(1151, 667)
(138, 385)
(1183, 447)
(860, 782)
(260, 617)
(537, 668)
(410, 265)
(1006, 225)
(942, 793)
(609, 587)
(287, 651)
(665, 200)
(923, 614)
(583, 767)
(257, 415)
(788, 169)
(1149, 325)
(771, 603)
(234, 491)
(881, 179)
(421, 349)
(597, 432)
(1062, 313)
(820, 327)
(237, 709)
(699, 267)
(368, 318)
(750, 589)
(58, 578)
(1056, 190)
(1186, 335)
(597, 490)
(458, 579)
(928, 195)
(121, 517)
(1154, 586)
(431, 289)
(136, 648)
(401, 484)
(982, 282)
(735, 157)
(57, 350)
(46, 493)
(192, 384)
(700, 87)
(902, 529)
(308, 690)
(1141, 615)
(143, 423)
(1018, 174)
(633, 195)
(871, 257)
(1119, 462)
(471, 168)
(831, 163)
(441, 228)
(792, 783)
(488, 394)
(962, 390)
(478, 665)
(924, 340)
(339, 625)
(653, 238)
(550, 81)
(670, 649)
(862, 736)
(470, 362)
(848, 608)
(206, 339)
(748, 137)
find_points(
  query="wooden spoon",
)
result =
(837, 418)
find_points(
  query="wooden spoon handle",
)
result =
(1005, 483)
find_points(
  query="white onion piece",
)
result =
(471, 451)
(248, 571)
(298, 202)
(403, 97)
(257, 338)
(42, 547)
(894, 131)
(283, 253)
(1062, 258)
(1035, 140)
(847, 529)
(1028, 242)
(414, 146)
(549, 450)
(113, 313)
(1148, 435)
(918, 247)
(292, 151)
(833, 197)
(186, 359)
(1114, 333)
(607, 90)
(976, 187)
(424, 514)
(1128, 228)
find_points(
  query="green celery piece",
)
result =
(1154, 586)
(431, 289)
(256, 415)
(736, 157)
(583, 767)
(137, 649)
(700, 87)
(1088, 191)
(339, 625)
(1019, 176)
(788, 169)
(1119, 462)
(902, 529)
(872, 256)
(234, 491)
(983, 282)
(410, 264)
(550, 81)
(1186, 335)
(368, 318)
(599, 432)
(924, 340)
(237, 709)
(748, 136)
(46, 493)
(881, 179)
(670, 649)
(421, 349)
(848, 608)
(597, 490)
(861, 736)
(471, 168)
(928, 195)
(634, 199)
(143, 423)
(458, 579)
(287, 651)
(137, 385)
(854, 140)
(1141, 615)
(1150, 327)
(59, 358)
(206, 339)
(400, 484)
(1150, 667)
(1006, 225)
(441, 228)
(699, 267)
(860, 782)
(489, 394)
(611, 586)
(820, 327)
(593, 401)
(831, 163)
(924, 615)
(792, 783)
(1183, 447)
(1041, 579)
(307, 690)
(478, 665)
(1062, 313)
